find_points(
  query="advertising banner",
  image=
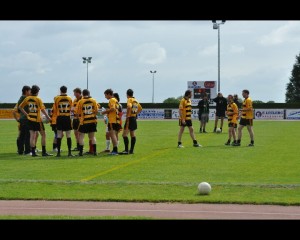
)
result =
(271, 114)
(200, 87)
(293, 114)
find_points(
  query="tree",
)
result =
(173, 100)
(293, 87)
(257, 101)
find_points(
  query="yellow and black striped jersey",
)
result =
(247, 103)
(134, 107)
(113, 116)
(35, 105)
(185, 106)
(232, 107)
(62, 105)
(74, 106)
(87, 109)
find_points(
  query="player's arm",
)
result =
(15, 110)
(21, 107)
(46, 114)
(139, 108)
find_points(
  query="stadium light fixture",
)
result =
(87, 60)
(216, 25)
(153, 72)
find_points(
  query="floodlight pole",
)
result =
(153, 72)
(87, 60)
(217, 26)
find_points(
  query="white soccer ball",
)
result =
(218, 130)
(204, 188)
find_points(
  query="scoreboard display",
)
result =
(198, 89)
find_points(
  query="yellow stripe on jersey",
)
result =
(185, 106)
(87, 109)
(62, 105)
(135, 107)
(247, 103)
(35, 105)
(232, 107)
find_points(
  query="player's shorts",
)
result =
(53, 126)
(234, 125)
(246, 122)
(220, 113)
(75, 123)
(114, 126)
(88, 128)
(188, 123)
(35, 126)
(130, 124)
(204, 117)
(63, 123)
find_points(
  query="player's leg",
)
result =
(251, 133)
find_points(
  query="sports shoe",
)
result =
(71, 155)
(35, 155)
(236, 144)
(232, 144)
(180, 146)
(124, 153)
(130, 152)
(197, 145)
(227, 143)
(87, 153)
(79, 155)
(28, 154)
(113, 153)
(251, 145)
(75, 149)
(46, 154)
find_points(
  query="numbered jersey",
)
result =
(87, 109)
(35, 105)
(62, 106)
(133, 106)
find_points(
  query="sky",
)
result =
(254, 55)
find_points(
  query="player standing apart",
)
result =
(203, 114)
(185, 118)
(246, 119)
(221, 105)
(133, 109)
(232, 113)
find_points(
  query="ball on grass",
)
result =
(218, 130)
(204, 188)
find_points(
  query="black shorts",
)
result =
(188, 123)
(130, 124)
(35, 126)
(88, 128)
(220, 113)
(63, 123)
(75, 123)
(53, 126)
(234, 125)
(246, 122)
(114, 126)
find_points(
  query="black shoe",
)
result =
(130, 152)
(88, 153)
(58, 155)
(237, 144)
(75, 149)
(124, 153)
(46, 154)
(251, 145)
(227, 144)
(35, 155)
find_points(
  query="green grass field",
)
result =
(268, 173)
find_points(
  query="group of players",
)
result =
(224, 107)
(79, 115)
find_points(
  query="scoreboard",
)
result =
(198, 88)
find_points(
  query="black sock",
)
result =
(126, 143)
(179, 143)
(195, 141)
(252, 141)
(115, 149)
(78, 146)
(69, 143)
(80, 149)
(33, 150)
(94, 147)
(58, 142)
(43, 149)
(239, 141)
(54, 145)
(133, 141)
